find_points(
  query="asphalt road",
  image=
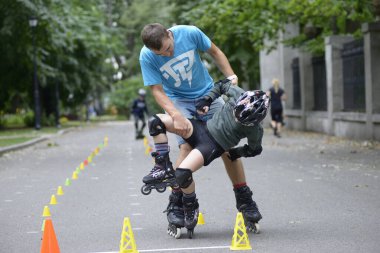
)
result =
(316, 194)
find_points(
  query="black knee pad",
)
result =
(184, 177)
(156, 126)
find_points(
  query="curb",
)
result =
(19, 146)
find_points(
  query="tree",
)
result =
(73, 38)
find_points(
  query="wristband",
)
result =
(232, 77)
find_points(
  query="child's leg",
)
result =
(185, 180)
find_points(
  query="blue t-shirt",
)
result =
(183, 75)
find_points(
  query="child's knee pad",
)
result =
(184, 177)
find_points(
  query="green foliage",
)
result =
(135, 17)
(82, 45)
(126, 91)
(73, 41)
(29, 119)
(321, 18)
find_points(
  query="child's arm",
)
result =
(244, 151)
(224, 86)
(253, 148)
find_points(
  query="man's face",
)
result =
(167, 48)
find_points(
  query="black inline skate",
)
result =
(191, 210)
(161, 176)
(175, 214)
(249, 209)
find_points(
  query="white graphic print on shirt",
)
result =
(179, 68)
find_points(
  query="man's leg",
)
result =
(243, 194)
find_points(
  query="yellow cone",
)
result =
(59, 191)
(75, 175)
(46, 212)
(81, 166)
(201, 220)
(127, 241)
(53, 200)
(240, 239)
(145, 141)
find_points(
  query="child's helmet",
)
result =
(251, 107)
(142, 92)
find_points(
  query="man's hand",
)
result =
(233, 79)
(181, 125)
(203, 105)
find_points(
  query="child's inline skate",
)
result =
(175, 214)
(161, 176)
(249, 209)
(191, 211)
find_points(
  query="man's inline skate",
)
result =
(191, 211)
(249, 209)
(161, 176)
(175, 214)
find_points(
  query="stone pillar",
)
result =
(288, 54)
(334, 76)
(371, 33)
(306, 78)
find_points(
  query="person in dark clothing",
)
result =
(277, 95)
(139, 109)
(239, 118)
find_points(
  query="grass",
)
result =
(12, 136)
(13, 141)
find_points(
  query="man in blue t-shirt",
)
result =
(172, 68)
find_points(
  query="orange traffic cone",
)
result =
(49, 240)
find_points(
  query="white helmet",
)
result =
(142, 92)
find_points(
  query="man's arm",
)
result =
(222, 62)
(181, 126)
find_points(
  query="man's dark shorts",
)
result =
(202, 140)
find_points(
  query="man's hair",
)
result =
(153, 34)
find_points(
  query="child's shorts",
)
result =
(202, 140)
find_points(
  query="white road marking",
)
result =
(173, 249)
(33, 232)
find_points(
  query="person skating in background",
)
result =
(239, 118)
(139, 110)
(277, 95)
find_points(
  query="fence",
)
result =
(353, 76)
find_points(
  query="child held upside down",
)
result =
(239, 118)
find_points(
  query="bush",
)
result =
(14, 120)
(48, 120)
(63, 120)
(29, 119)
(2, 120)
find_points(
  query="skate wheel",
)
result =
(145, 190)
(253, 227)
(190, 233)
(161, 189)
(174, 231)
